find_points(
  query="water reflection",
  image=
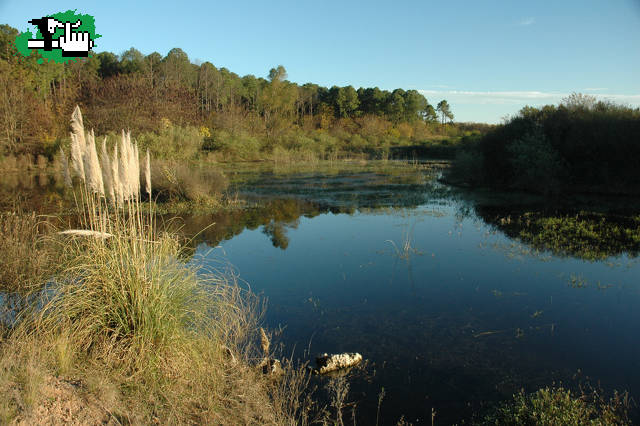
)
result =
(446, 317)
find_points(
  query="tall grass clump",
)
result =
(126, 311)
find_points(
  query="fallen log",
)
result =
(326, 363)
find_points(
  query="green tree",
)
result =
(132, 61)
(176, 68)
(430, 114)
(579, 101)
(444, 110)
(278, 74)
(346, 101)
(109, 64)
(395, 106)
(415, 105)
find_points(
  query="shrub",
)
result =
(240, 146)
(173, 142)
(182, 182)
(467, 167)
(536, 164)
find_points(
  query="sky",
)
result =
(488, 59)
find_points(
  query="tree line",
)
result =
(144, 92)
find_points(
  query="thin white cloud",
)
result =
(519, 97)
(594, 89)
(527, 21)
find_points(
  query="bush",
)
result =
(182, 182)
(172, 142)
(467, 167)
(240, 146)
(536, 165)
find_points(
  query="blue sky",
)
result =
(487, 58)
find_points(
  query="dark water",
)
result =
(465, 317)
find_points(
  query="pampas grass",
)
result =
(92, 169)
(147, 173)
(77, 162)
(105, 163)
(123, 167)
(115, 175)
(119, 175)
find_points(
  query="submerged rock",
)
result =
(326, 363)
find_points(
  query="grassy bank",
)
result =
(125, 331)
(115, 323)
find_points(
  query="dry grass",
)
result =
(27, 253)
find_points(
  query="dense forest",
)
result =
(166, 99)
(582, 144)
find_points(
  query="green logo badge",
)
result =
(60, 37)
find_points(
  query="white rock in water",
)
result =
(327, 363)
(270, 367)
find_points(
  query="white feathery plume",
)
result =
(136, 171)
(147, 173)
(105, 163)
(115, 174)
(65, 168)
(77, 126)
(123, 167)
(131, 167)
(77, 153)
(92, 166)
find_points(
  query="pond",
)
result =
(456, 299)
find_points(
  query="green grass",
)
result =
(559, 406)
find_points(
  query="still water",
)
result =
(451, 314)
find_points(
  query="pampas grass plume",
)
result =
(123, 165)
(77, 152)
(92, 167)
(115, 174)
(147, 173)
(77, 126)
(105, 163)
(65, 169)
